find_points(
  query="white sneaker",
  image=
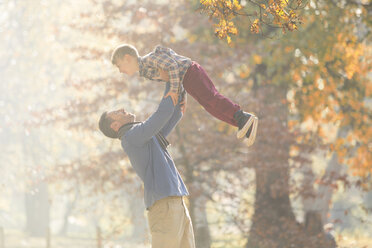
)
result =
(243, 131)
(252, 135)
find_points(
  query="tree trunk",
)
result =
(273, 224)
(202, 233)
(2, 238)
(37, 197)
(99, 236)
(37, 211)
(197, 202)
(69, 208)
(320, 201)
(314, 229)
(316, 204)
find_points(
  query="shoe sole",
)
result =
(252, 137)
(241, 133)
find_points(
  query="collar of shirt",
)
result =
(123, 129)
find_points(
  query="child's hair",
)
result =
(105, 126)
(121, 51)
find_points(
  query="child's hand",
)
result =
(174, 97)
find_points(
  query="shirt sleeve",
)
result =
(160, 58)
(143, 132)
(173, 121)
(175, 118)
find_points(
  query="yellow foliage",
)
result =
(321, 132)
(255, 27)
(233, 30)
(192, 38)
(244, 73)
(361, 163)
(228, 39)
(293, 123)
(288, 49)
(296, 77)
(257, 59)
(237, 5)
(226, 10)
(338, 143)
(283, 3)
(228, 4)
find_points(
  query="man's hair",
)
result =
(121, 51)
(105, 126)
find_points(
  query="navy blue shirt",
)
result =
(153, 164)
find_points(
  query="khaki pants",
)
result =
(170, 224)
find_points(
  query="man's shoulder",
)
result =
(130, 134)
(132, 129)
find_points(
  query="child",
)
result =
(163, 64)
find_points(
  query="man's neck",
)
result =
(124, 128)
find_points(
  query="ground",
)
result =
(16, 239)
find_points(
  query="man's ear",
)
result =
(115, 126)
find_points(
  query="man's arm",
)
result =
(173, 121)
(143, 132)
(160, 59)
(177, 115)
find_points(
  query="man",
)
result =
(164, 191)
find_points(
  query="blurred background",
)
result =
(303, 67)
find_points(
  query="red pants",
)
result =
(197, 83)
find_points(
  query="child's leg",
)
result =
(197, 83)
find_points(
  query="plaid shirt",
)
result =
(166, 59)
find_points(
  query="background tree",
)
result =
(314, 90)
(273, 75)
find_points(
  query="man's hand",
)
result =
(173, 95)
(183, 101)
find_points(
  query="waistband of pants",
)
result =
(169, 199)
(189, 70)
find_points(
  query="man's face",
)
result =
(127, 65)
(120, 117)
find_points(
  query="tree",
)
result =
(269, 76)
(23, 77)
(336, 73)
(273, 14)
(316, 67)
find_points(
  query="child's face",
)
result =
(127, 65)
